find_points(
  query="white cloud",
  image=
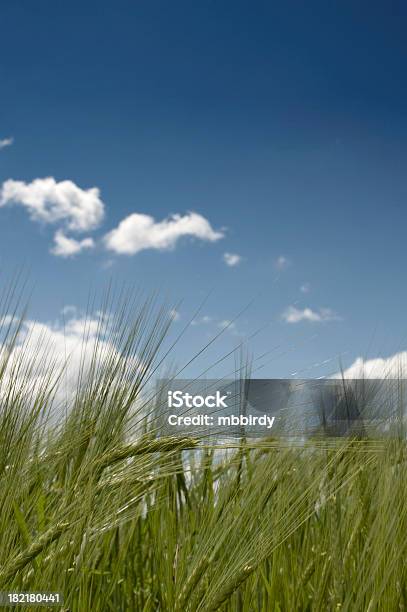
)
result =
(52, 202)
(68, 247)
(296, 315)
(305, 288)
(138, 232)
(215, 322)
(45, 349)
(281, 262)
(81, 327)
(78, 210)
(174, 315)
(394, 366)
(6, 142)
(202, 320)
(230, 327)
(232, 259)
(65, 351)
(7, 320)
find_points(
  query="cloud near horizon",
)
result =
(393, 367)
(139, 232)
(296, 315)
(44, 350)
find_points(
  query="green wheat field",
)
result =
(97, 506)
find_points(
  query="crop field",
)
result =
(98, 507)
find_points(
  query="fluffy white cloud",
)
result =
(138, 232)
(78, 210)
(6, 142)
(45, 350)
(232, 259)
(296, 315)
(52, 202)
(394, 366)
(67, 247)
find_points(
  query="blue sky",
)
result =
(282, 125)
